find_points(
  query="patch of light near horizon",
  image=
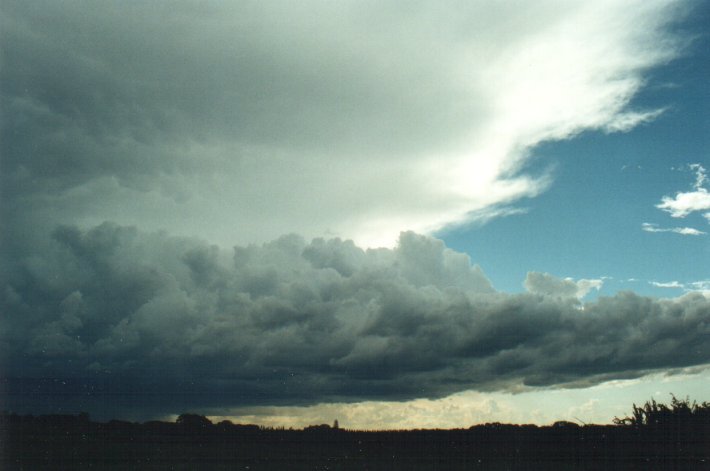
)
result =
(597, 404)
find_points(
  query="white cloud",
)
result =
(584, 286)
(700, 175)
(649, 227)
(627, 121)
(669, 284)
(701, 287)
(240, 122)
(548, 285)
(685, 203)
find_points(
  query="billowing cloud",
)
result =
(649, 227)
(687, 202)
(122, 320)
(242, 121)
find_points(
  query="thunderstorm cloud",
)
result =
(243, 121)
(154, 154)
(134, 316)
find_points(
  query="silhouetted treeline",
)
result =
(654, 436)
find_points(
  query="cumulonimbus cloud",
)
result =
(154, 323)
(240, 122)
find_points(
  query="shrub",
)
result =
(654, 414)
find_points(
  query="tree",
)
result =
(654, 414)
(193, 421)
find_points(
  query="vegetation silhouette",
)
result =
(653, 436)
(193, 421)
(681, 413)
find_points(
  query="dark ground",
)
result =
(74, 442)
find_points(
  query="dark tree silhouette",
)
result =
(193, 421)
(654, 414)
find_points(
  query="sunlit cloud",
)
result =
(649, 227)
(668, 284)
(544, 283)
(685, 203)
(358, 122)
(700, 287)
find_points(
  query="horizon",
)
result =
(193, 420)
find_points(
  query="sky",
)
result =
(396, 214)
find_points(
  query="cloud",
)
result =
(627, 121)
(700, 287)
(542, 406)
(239, 122)
(703, 285)
(546, 284)
(685, 203)
(670, 284)
(649, 227)
(119, 321)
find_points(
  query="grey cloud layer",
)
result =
(271, 117)
(134, 91)
(157, 323)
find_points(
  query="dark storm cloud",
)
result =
(126, 320)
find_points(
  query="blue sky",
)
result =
(429, 214)
(606, 185)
